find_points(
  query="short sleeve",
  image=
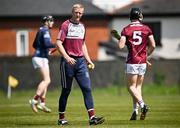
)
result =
(62, 32)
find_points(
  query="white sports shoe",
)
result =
(43, 108)
(62, 122)
(33, 104)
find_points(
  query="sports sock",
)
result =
(42, 99)
(141, 103)
(61, 115)
(91, 113)
(36, 97)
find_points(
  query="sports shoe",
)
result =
(33, 104)
(43, 108)
(134, 116)
(144, 111)
(62, 122)
(96, 120)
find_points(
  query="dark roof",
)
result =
(153, 7)
(27, 8)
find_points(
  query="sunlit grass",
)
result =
(114, 103)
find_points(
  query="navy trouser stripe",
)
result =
(63, 75)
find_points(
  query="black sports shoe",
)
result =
(96, 120)
(62, 122)
(133, 116)
(144, 111)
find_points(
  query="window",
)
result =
(22, 43)
(156, 29)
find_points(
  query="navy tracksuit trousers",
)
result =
(79, 71)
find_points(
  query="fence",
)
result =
(106, 73)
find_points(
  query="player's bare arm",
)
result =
(86, 55)
(151, 48)
(61, 49)
(152, 45)
(122, 42)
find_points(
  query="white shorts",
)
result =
(39, 62)
(139, 69)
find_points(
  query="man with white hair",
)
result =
(75, 58)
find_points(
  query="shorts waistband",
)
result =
(76, 56)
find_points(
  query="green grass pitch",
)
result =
(113, 103)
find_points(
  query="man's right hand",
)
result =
(71, 61)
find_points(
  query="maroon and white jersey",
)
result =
(136, 35)
(72, 35)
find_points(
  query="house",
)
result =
(163, 16)
(20, 20)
